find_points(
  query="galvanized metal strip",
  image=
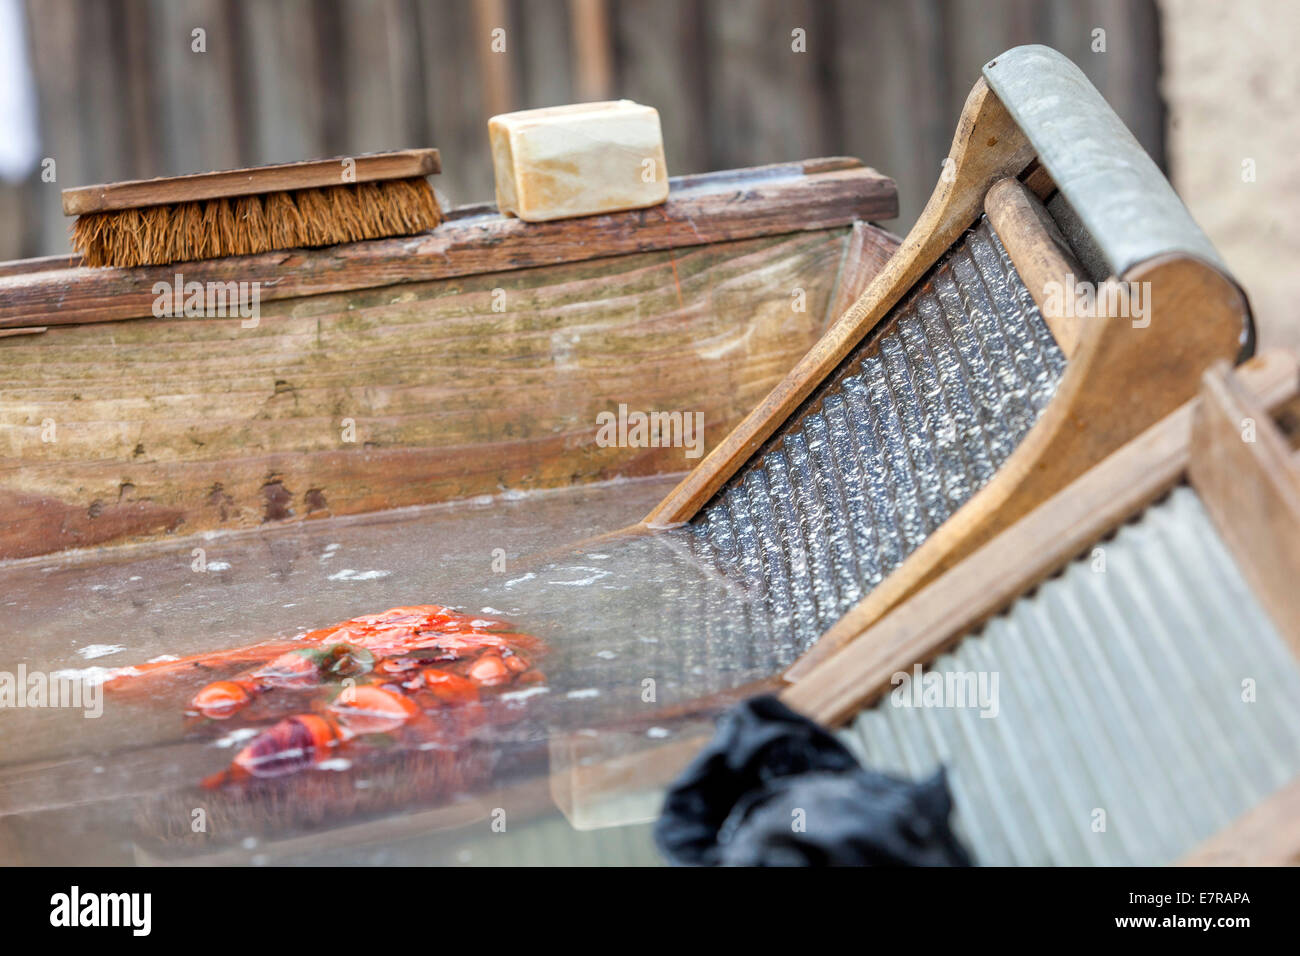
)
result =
(1119, 195)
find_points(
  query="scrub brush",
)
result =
(246, 211)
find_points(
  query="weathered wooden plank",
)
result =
(864, 257)
(1244, 470)
(705, 209)
(17, 267)
(359, 401)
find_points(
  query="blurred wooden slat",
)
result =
(765, 95)
(100, 87)
(53, 28)
(198, 126)
(122, 96)
(12, 210)
(407, 71)
(494, 49)
(1128, 73)
(545, 76)
(457, 113)
(890, 74)
(285, 61)
(975, 31)
(141, 94)
(370, 108)
(383, 89)
(593, 56)
(664, 65)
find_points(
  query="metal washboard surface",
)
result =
(916, 420)
(1123, 691)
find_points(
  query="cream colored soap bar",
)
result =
(578, 160)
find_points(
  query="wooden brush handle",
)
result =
(314, 174)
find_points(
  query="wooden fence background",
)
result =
(122, 95)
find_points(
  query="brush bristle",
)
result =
(244, 225)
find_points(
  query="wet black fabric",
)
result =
(775, 789)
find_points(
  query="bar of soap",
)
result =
(578, 160)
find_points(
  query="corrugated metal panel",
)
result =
(915, 421)
(1120, 690)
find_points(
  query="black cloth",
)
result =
(775, 789)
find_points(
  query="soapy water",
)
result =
(626, 650)
(644, 638)
(615, 615)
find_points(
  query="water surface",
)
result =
(632, 677)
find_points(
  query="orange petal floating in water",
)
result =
(289, 746)
(372, 710)
(489, 670)
(296, 668)
(221, 699)
(450, 688)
